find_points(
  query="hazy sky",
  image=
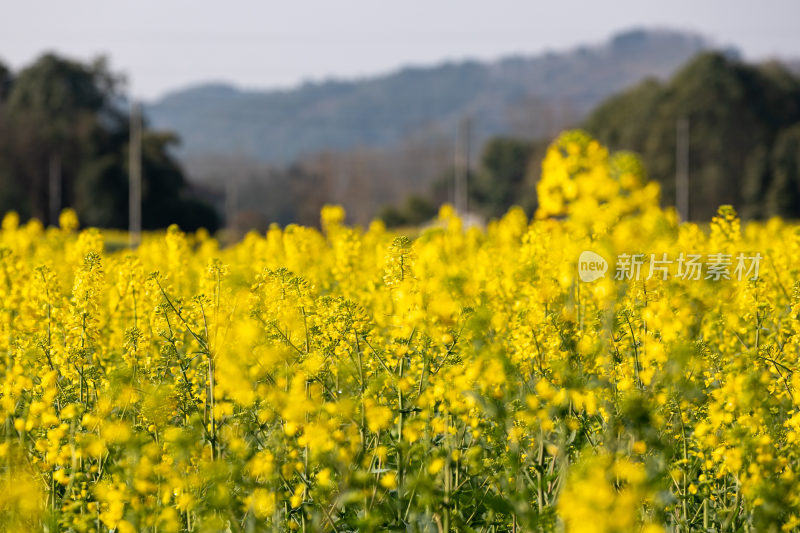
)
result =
(167, 44)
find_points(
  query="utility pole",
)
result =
(461, 164)
(682, 168)
(55, 188)
(135, 176)
(232, 206)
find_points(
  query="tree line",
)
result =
(743, 138)
(72, 119)
(64, 140)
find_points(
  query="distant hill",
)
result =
(529, 96)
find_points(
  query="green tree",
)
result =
(415, 211)
(65, 113)
(10, 195)
(756, 181)
(55, 108)
(507, 175)
(735, 112)
(5, 81)
(782, 197)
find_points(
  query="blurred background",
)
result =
(237, 115)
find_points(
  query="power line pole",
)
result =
(682, 168)
(135, 176)
(232, 206)
(461, 164)
(55, 188)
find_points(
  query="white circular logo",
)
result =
(591, 266)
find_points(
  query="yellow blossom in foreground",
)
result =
(356, 379)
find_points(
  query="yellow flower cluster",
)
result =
(357, 380)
